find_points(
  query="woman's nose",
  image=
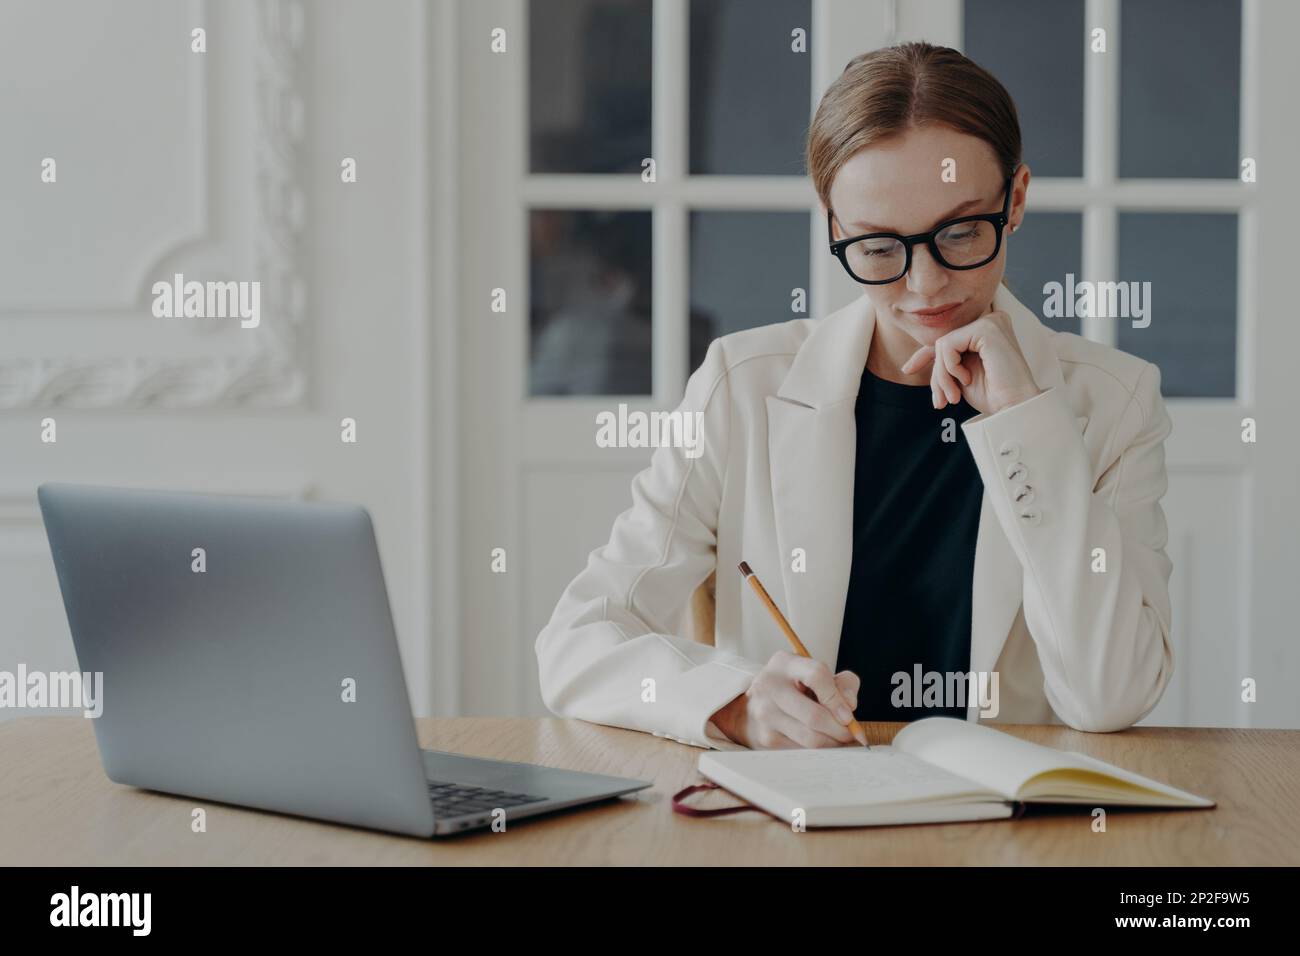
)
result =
(926, 276)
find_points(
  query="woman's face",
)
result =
(899, 185)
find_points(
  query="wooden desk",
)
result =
(58, 808)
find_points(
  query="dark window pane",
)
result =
(750, 93)
(589, 85)
(1190, 259)
(1036, 51)
(745, 267)
(1046, 248)
(589, 284)
(1180, 88)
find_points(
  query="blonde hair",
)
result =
(888, 91)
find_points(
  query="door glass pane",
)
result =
(745, 268)
(1047, 247)
(1180, 88)
(589, 320)
(589, 85)
(1190, 259)
(750, 92)
(1036, 51)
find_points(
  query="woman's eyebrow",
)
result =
(950, 214)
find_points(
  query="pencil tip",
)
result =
(744, 568)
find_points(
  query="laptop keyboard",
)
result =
(457, 799)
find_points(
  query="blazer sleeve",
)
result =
(1102, 636)
(608, 653)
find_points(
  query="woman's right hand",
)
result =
(793, 702)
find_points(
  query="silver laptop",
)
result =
(263, 669)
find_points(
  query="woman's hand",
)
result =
(980, 361)
(793, 702)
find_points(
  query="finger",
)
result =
(779, 661)
(962, 337)
(943, 385)
(952, 362)
(765, 714)
(918, 360)
(800, 733)
(768, 738)
(811, 714)
(816, 675)
(943, 374)
(849, 684)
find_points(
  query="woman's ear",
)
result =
(1019, 195)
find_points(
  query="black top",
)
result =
(916, 510)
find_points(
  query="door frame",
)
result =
(503, 434)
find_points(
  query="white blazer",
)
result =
(1070, 644)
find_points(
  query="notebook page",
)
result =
(999, 761)
(844, 776)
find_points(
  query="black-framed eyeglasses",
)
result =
(878, 258)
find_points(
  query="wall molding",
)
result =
(273, 372)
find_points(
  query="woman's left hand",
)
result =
(980, 361)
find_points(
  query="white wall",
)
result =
(185, 126)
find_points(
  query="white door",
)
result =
(591, 277)
(1145, 124)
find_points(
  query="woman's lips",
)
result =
(933, 319)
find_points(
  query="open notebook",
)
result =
(938, 769)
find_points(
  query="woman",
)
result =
(927, 481)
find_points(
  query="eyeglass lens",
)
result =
(963, 244)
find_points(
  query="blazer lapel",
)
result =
(812, 439)
(812, 443)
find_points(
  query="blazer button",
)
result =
(1023, 495)
(1017, 472)
(1010, 450)
(1030, 516)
